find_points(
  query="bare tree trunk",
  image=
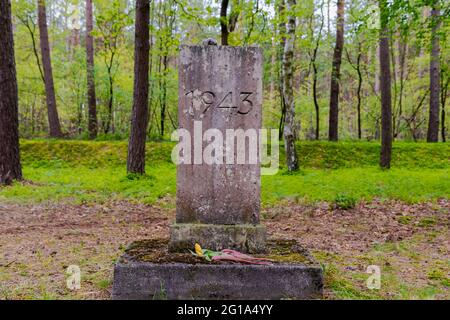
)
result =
(282, 32)
(223, 22)
(315, 71)
(139, 122)
(109, 121)
(357, 66)
(92, 99)
(10, 168)
(444, 91)
(328, 17)
(164, 96)
(402, 46)
(385, 86)
(273, 69)
(316, 102)
(288, 93)
(435, 87)
(360, 82)
(335, 73)
(53, 119)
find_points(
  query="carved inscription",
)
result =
(202, 101)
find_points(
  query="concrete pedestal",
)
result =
(145, 272)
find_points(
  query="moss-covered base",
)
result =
(156, 251)
(149, 271)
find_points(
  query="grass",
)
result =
(393, 259)
(315, 154)
(86, 172)
(342, 174)
(85, 185)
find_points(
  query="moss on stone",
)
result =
(156, 251)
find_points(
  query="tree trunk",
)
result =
(109, 119)
(435, 87)
(223, 22)
(92, 100)
(385, 86)
(360, 82)
(316, 102)
(53, 119)
(315, 71)
(10, 168)
(335, 73)
(444, 91)
(163, 96)
(288, 94)
(282, 33)
(139, 122)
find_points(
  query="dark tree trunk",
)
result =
(360, 81)
(435, 87)
(223, 22)
(10, 168)
(139, 122)
(385, 86)
(92, 100)
(335, 73)
(315, 71)
(316, 102)
(109, 122)
(163, 96)
(53, 119)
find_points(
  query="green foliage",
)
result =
(345, 201)
(95, 171)
(175, 22)
(312, 155)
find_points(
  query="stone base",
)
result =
(147, 272)
(244, 238)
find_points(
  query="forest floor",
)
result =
(409, 242)
(78, 206)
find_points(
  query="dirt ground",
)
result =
(411, 243)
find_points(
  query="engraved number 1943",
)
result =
(209, 99)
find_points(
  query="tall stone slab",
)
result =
(218, 201)
(218, 198)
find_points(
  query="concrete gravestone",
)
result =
(218, 200)
(218, 194)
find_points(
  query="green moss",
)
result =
(428, 221)
(156, 251)
(85, 171)
(312, 154)
(404, 219)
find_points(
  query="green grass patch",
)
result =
(316, 154)
(85, 171)
(409, 185)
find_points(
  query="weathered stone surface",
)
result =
(242, 237)
(149, 281)
(221, 88)
(147, 271)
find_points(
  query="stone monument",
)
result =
(218, 204)
(218, 194)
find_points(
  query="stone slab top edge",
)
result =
(286, 266)
(220, 47)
